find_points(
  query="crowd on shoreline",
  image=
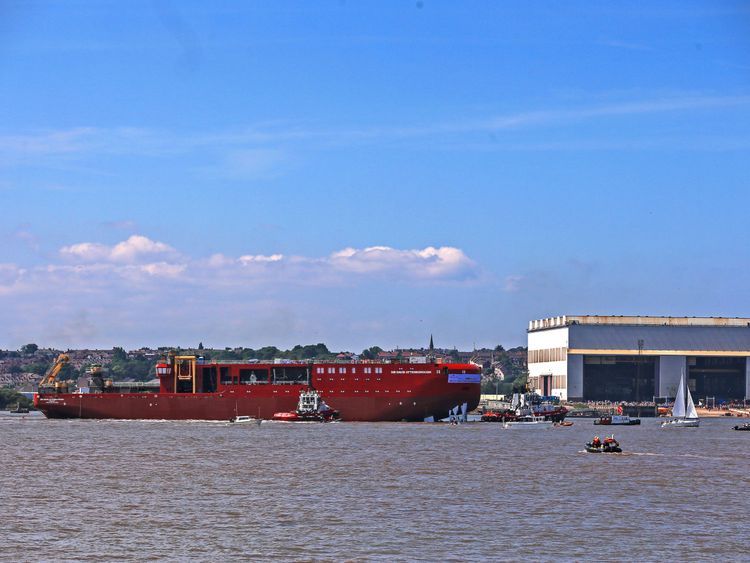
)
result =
(723, 405)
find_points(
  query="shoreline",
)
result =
(720, 413)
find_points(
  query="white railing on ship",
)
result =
(254, 361)
(135, 384)
(278, 362)
(303, 382)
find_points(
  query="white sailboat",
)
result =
(684, 414)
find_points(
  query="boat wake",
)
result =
(291, 422)
(693, 456)
(652, 454)
(147, 420)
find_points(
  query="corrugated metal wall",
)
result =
(603, 337)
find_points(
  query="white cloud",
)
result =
(86, 251)
(219, 260)
(137, 246)
(141, 262)
(163, 269)
(346, 266)
(429, 263)
(144, 290)
(134, 249)
(249, 259)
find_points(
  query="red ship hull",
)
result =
(398, 392)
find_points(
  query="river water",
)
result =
(137, 490)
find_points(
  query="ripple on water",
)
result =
(148, 490)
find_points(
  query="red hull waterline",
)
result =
(359, 391)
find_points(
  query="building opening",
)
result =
(721, 379)
(619, 378)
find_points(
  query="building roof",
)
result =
(631, 320)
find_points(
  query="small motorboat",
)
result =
(310, 408)
(608, 446)
(564, 423)
(529, 421)
(245, 419)
(745, 426)
(617, 420)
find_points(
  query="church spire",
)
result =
(432, 346)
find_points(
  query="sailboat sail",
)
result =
(682, 417)
(691, 412)
(678, 410)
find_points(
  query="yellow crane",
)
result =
(49, 378)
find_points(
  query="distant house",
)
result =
(385, 356)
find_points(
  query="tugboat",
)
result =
(527, 404)
(608, 446)
(585, 413)
(525, 414)
(550, 411)
(617, 420)
(19, 409)
(310, 408)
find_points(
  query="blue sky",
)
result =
(361, 173)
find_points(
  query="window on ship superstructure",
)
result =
(290, 374)
(224, 375)
(254, 376)
(209, 379)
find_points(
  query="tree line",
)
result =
(138, 366)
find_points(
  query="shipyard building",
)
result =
(600, 358)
